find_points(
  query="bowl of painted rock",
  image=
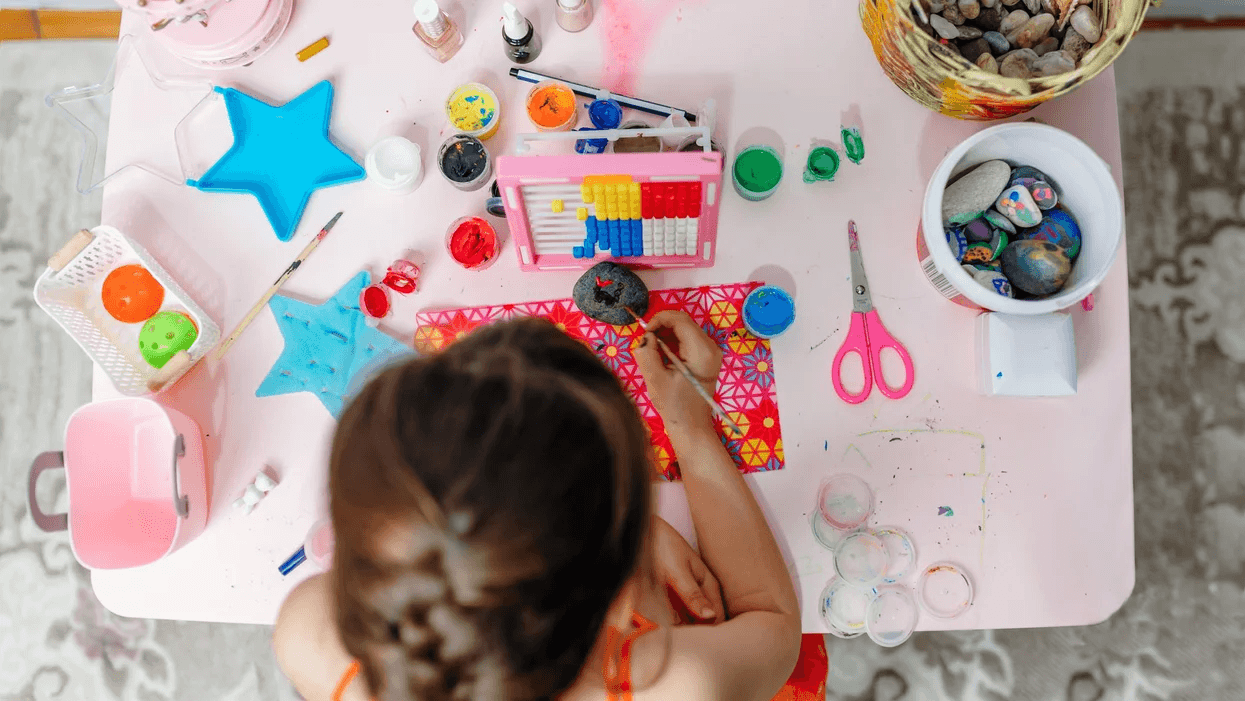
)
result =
(1081, 184)
(609, 292)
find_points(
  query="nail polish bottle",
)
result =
(574, 15)
(438, 32)
(518, 36)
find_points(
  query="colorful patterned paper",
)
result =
(745, 385)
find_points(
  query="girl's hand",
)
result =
(682, 409)
(694, 591)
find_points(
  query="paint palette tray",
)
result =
(647, 210)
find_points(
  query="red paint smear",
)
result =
(473, 243)
(629, 26)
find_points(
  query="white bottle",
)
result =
(574, 15)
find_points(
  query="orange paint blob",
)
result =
(551, 106)
(131, 295)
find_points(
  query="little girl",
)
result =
(496, 539)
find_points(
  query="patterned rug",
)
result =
(1181, 637)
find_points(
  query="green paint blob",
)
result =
(853, 145)
(823, 163)
(757, 172)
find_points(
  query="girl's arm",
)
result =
(753, 653)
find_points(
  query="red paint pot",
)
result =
(472, 242)
(374, 302)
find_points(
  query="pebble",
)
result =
(999, 44)
(978, 253)
(1054, 63)
(1033, 6)
(972, 50)
(994, 280)
(1018, 205)
(1027, 175)
(978, 231)
(936, 5)
(988, 63)
(1010, 3)
(1060, 228)
(609, 302)
(945, 29)
(1013, 21)
(956, 241)
(1050, 6)
(1044, 195)
(1086, 23)
(1018, 64)
(953, 14)
(1046, 46)
(968, 31)
(1039, 268)
(971, 195)
(1032, 32)
(998, 221)
(989, 19)
(1075, 45)
(998, 242)
(969, 8)
(989, 3)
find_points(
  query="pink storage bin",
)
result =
(136, 479)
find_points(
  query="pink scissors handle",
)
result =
(857, 342)
(879, 338)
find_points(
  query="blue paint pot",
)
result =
(590, 145)
(605, 114)
(768, 311)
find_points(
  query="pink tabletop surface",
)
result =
(1041, 488)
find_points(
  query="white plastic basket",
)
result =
(69, 292)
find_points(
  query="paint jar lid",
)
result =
(860, 560)
(892, 616)
(605, 114)
(395, 164)
(900, 553)
(945, 590)
(846, 501)
(427, 10)
(768, 311)
(844, 609)
(828, 536)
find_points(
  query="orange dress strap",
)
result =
(616, 667)
(351, 672)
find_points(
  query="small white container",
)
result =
(1086, 189)
(1026, 356)
(395, 164)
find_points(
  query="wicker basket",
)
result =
(937, 76)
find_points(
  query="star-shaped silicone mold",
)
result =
(280, 154)
(326, 346)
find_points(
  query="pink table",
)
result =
(1041, 489)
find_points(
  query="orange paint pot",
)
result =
(551, 105)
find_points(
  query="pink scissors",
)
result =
(867, 337)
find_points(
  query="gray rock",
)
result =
(988, 63)
(1013, 21)
(1032, 32)
(1046, 46)
(1018, 64)
(945, 29)
(999, 44)
(969, 8)
(1075, 45)
(1010, 3)
(989, 19)
(971, 50)
(1053, 63)
(968, 31)
(952, 13)
(1086, 23)
(1050, 6)
(936, 5)
(1033, 6)
(965, 199)
(607, 290)
(989, 3)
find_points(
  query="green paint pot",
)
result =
(823, 163)
(757, 172)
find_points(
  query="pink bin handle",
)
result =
(49, 523)
(181, 503)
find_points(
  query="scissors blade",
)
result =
(862, 302)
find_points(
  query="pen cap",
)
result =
(515, 25)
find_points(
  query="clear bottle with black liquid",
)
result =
(519, 37)
(438, 32)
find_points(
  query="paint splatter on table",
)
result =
(745, 385)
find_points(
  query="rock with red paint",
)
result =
(609, 292)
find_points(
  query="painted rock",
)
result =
(965, 199)
(994, 280)
(607, 290)
(998, 221)
(1039, 268)
(1043, 195)
(131, 295)
(978, 231)
(957, 242)
(1060, 228)
(999, 44)
(998, 242)
(978, 253)
(1026, 175)
(165, 335)
(992, 265)
(1018, 205)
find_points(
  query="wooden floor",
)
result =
(58, 24)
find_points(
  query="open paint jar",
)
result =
(860, 560)
(394, 164)
(637, 144)
(822, 164)
(768, 311)
(891, 616)
(472, 242)
(757, 172)
(844, 609)
(846, 501)
(474, 110)
(552, 106)
(464, 161)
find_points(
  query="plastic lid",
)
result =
(828, 536)
(427, 10)
(846, 501)
(900, 553)
(892, 616)
(514, 24)
(860, 559)
(571, 4)
(945, 590)
(844, 609)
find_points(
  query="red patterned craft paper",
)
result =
(745, 386)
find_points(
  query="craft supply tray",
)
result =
(69, 291)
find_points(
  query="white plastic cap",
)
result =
(515, 25)
(427, 10)
(571, 4)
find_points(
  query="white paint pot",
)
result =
(1086, 188)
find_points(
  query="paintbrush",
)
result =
(678, 363)
(276, 286)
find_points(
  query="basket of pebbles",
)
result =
(989, 59)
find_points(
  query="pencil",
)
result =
(678, 363)
(634, 103)
(268, 295)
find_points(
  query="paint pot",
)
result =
(473, 109)
(757, 172)
(844, 609)
(395, 164)
(374, 303)
(768, 311)
(845, 501)
(465, 162)
(552, 106)
(637, 144)
(217, 35)
(591, 145)
(472, 242)
(892, 616)
(605, 114)
(945, 590)
(1087, 188)
(822, 164)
